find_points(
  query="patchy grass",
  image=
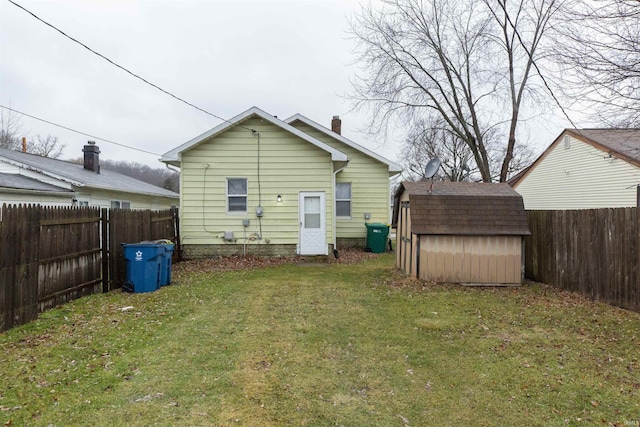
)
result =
(330, 344)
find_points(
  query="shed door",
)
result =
(313, 224)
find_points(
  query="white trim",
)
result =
(393, 167)
(174, 156)
(323, 222)
(350, 200)
(227, 195)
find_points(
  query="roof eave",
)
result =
(43, 172)
(394, 168)
(174, 155)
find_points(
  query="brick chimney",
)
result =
(336, 124)
(91, 157)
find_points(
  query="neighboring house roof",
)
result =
(621, 143)
(173, 156)
(393, 167)
(76, 175)
(464, 208)
(21, 182)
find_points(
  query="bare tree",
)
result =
(466, 62)
(430, 140)
(46, 146)
(10, 129)
(426, 142)
(599, 51)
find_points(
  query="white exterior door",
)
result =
(313, 224)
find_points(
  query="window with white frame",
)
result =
(120, 204)
(343, 199)
(237, 195)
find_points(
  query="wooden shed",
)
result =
(460, 232)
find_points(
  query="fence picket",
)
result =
(593, 252)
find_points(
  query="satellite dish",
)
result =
(431, 168)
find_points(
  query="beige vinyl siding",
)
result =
(369, 180)
(471, 259)
(581, 177)
(288, 166)
(103, 198)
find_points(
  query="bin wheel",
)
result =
(127, 287)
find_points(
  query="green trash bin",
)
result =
(377, 233)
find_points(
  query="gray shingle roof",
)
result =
(77, 175)
(464, 208)
(623, 142)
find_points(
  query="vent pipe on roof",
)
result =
(336, 125)
(91, 157)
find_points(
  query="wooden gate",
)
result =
(69, 259)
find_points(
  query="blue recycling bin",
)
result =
(144, 262)
(165, 263)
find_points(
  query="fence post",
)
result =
(104, 231)
(176, 231)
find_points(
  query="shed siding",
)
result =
(471, 259)
(403, 236)
(369, 180)
(580, 177)
(288, 165)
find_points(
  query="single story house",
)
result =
(31, 179)
(460, 232)
(261, 185)
(584, 169)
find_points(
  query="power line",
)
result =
(123, 68)
(80, 132)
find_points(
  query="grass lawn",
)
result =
(351, 345)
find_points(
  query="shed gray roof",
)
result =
(464, 208)
(10, 180)
(78, 176)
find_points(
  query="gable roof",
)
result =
(393, 167)
(173, 156)
(621, 143)
(76, 175)
(464, 208)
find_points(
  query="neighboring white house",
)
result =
(584, 169)
(30, 179)
(257, 184)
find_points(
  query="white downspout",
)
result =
(333, 192)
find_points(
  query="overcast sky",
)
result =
(285, 57)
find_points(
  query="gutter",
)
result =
(335, 239)
(39, 192)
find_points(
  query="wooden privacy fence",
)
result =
(595, 252)
(52, 255)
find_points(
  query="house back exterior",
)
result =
(260, 185)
